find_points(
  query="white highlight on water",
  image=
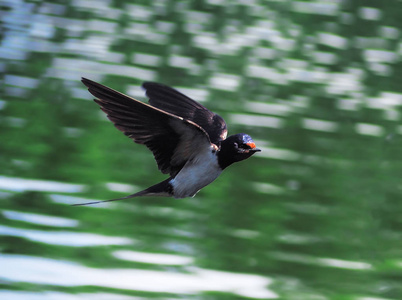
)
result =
(38, 270)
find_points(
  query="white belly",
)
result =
(195, 175)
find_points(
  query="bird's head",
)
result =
(236, 148)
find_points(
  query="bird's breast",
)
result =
(196, 174)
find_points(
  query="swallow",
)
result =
(188, 141)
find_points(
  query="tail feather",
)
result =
(161, 189)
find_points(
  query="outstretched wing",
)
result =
(174, 102)
(172, 139)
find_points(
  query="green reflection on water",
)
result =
(317, 212)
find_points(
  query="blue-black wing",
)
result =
(174, 102)
(172, 139)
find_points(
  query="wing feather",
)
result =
(174, 102)
(164, 133)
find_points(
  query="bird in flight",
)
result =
(187, 140)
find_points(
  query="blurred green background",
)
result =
(316, 215)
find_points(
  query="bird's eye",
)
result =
(241, 148)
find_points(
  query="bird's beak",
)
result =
(253, 148)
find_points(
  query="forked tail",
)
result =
(161, 189)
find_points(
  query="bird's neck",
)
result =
(225, 156)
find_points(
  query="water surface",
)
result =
(315, 215)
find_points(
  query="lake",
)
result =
(316, 215)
